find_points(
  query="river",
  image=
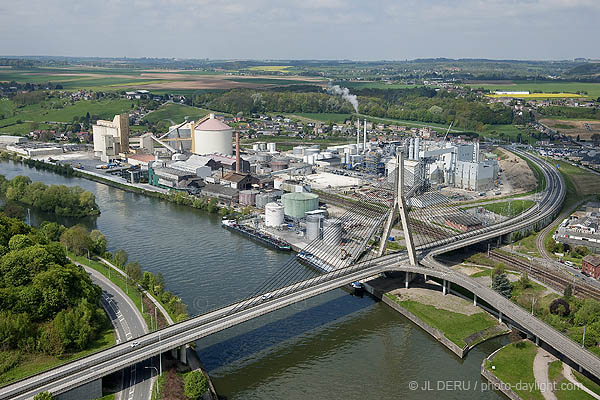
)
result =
(333, 346)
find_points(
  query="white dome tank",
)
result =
(273, 214)
(213, 136)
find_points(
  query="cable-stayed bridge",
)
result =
(366, 225)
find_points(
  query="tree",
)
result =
(134, 271)
(501, 284)
(120, 258)
(524, 282)
(560, 307)
(99, 242)
(568, 292)
(195, 385)
(77, 239)
(52, 231)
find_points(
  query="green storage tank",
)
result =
(297, 204)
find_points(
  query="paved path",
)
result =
(129, 324)
(568, 373)
(540, 372)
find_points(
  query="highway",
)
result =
(71, 375)
(129, 324)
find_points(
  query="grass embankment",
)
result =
(514, 366)
(455, 326)
(555, 374)
(510, 208)
(24, 365)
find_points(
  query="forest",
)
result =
(59, 199)
(47, 304)
(413, 104)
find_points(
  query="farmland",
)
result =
(549, 89)
(175, 113)
(112, 79)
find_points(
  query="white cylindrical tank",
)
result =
(272, 147)
(273, 214)
(255, 147)
(332, 231)
(298, 150)
(313, 226)
(213, 136)
(262, 146)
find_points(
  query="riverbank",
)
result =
(453, 321)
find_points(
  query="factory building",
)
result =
(212, 136)
(111, 138)
(169, 178)
(471, 175)
(7, 139)
(238, 181)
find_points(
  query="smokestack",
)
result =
(237, 152)
(411, 149)
(417, 148)
(365, 135)
(358, 134)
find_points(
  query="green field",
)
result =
(510, 208)
(513, 364)
(273, 81)
(176, 113)
(455, 326)
(103, 109)
(592, 89)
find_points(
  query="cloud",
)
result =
(301, 29)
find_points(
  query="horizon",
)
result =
(534, 30)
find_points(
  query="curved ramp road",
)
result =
(71, 375)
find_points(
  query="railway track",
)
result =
(558, 282)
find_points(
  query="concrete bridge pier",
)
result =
(90, 391)
(444, 286)
(500, 316)
(475, 300)
(183, 354)
(537, 341)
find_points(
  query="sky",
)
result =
(302, 29)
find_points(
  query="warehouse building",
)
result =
(111, 138)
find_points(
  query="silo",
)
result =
(273, 214)
(298, 150)
(263, 199)
(255, 147)
(332, 231)
(279, 164)
(248, 197)
(298, 203)
(313, 226)
(272, 147)
(213, 136)
(262, 146)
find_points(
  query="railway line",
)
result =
(549, 277)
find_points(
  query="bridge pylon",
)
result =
(399, 206)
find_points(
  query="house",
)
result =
(238, 181)
(590, 265)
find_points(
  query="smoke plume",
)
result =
(345, 93)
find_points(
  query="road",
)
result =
(129, 325)
(74, 374)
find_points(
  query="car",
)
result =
(134, 344)
(266, 296)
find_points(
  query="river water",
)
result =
(334, 346)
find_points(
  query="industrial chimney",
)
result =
(358, 134)
(237, 152)
(365, 135)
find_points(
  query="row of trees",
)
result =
(48, 304)
(153, 283)
(59, 199)
(571, 112)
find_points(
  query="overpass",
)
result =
(88, 369)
